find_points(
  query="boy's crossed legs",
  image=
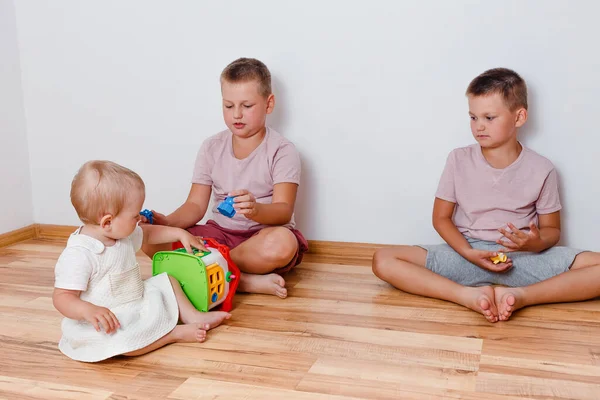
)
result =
(404, 268)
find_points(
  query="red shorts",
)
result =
(233, 238)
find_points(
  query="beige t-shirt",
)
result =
(274, 161)
(488, 198)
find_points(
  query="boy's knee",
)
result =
(392, 257)
(380, 262)
(279, 246)
(586, 259)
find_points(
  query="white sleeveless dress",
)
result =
(146, 310)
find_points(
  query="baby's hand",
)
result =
(244, 202)
(188, 241)
(482, 259)
(519, 240)
(101, 317)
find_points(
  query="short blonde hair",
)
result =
(247, 70)
(102, 187)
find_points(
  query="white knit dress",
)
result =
(110, 277)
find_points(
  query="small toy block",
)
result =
(501, 257)
(226, 207)
(149, 215)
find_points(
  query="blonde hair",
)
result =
(246, 70)
(102, 187)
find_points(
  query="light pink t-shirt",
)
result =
(488, 198)
(274, 161)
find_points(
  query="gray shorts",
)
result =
(528, 268)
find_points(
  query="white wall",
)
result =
(15, 180)
(372, 93)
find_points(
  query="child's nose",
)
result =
(237, 113)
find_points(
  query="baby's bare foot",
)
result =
(481, 300)
(508, 300)
(266, 284)
(209, 320)
(189, 333)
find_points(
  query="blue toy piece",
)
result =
(226, 207)
(149, 216)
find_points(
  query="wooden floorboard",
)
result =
(342, 334)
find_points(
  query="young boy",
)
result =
(495, 196)
(261, 169)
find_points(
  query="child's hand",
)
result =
(157, 219)
(244, 202)
(519, 240)
(188, 241)
(101, 317)
(482, 258)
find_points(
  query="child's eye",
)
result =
(489, 118)
(248, 106)
(472, 118)
(228, 106)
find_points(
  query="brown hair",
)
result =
(503, 81)
(102, 187)
(249, 69)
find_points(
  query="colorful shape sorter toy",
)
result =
(208, 279)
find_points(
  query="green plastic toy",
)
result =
(208, 279)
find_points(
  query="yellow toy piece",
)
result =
(501, 257)
(216, 282)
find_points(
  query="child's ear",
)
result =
(270, 103)
(106, 222)
(521, 117)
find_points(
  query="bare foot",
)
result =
(508, 300)
(481, 300)
(189, 333)
(208, 320)
(266, 284)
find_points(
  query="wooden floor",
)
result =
(341, 334)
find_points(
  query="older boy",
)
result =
(261, 169)
(495, 196)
